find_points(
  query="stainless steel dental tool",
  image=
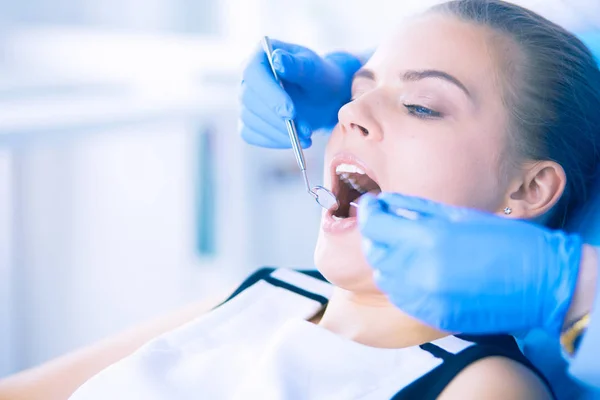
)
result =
(324, 197)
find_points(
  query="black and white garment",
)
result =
(259, 345)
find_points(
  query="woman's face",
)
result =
(427, 119)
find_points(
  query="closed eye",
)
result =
(422, 112)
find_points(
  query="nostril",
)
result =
(363, 130)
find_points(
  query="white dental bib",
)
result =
(258, 345)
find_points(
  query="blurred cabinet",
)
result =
(200, 17)
(98, 221)
(7, 355)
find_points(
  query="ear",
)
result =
(532, 194)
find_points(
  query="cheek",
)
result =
(334, 143)
(458, 172)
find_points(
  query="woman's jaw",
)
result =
(358, 310)
(338, 253)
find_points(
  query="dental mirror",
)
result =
(323, 196)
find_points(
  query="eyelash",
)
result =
(422, 112)
(417, 111)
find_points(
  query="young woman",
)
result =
(465, 105)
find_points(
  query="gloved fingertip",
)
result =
(304, 131)
(280, 59)
(382, 281)
(305, 142)
(366, 204)
(368, 201)
(298, 67)
(247, 134)
(366, 245)
(367, 198)
(398, 202)
(286, 110)
(373, 252)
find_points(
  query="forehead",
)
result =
(439, 42)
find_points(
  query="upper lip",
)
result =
(348, 158)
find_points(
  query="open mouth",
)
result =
(350, 183)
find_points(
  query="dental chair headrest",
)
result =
(586, 221)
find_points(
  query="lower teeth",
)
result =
(336, 218)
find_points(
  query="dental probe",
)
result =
(400, 212)
(323, 196)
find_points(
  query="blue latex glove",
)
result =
(592, 41)
(466, 271)
(316, 89)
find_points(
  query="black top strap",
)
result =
(249, 281)
(431, 385)
(437, 351)
(265, 274)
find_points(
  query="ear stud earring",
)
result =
(507, 210)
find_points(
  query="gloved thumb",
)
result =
(377, 224)
(299, 67)
(400, 204)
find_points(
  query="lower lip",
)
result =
(330, 225)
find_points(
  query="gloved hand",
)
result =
(466, 271)
(592, 41)
(316, 88)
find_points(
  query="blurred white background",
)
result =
(125, 190)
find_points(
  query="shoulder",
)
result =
(496, 378)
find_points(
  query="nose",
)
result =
(358, 117)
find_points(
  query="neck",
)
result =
(371, 319)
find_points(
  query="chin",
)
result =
(341, 261)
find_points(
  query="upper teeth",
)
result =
(352, 182)
(348, 168)
(344, 171)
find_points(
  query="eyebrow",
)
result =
(413, 75)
